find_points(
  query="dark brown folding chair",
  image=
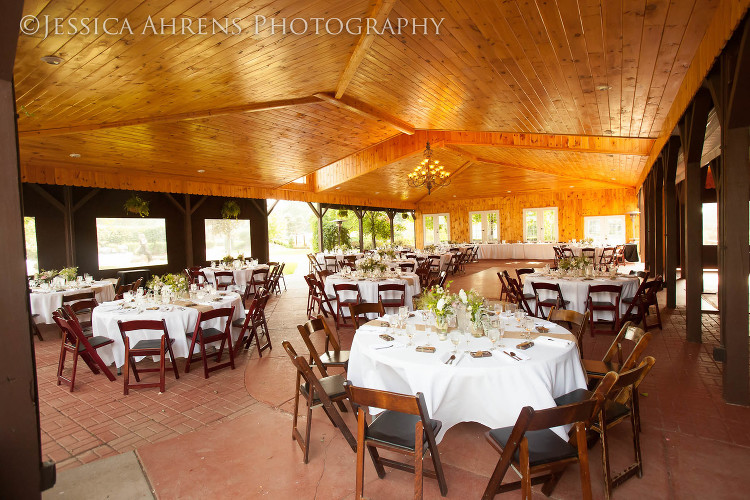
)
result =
(557, 300)
(391, 288)
(530, 446)
(74, 342)
(254, 324)
(407, 267)
(607, 257)
(332, 355)
(505, 293)
(75, 297)
(360, 311)
(319, 298)
(147, 347)
(521, 271)
(520, 299)
(34, 326)
(435, 263)
(343, 302)
(595, 303)
(258, 278)
(331, 263)
(648, 299)
(575, 322)
(621, 404)
(613, 358)
(82, 310)
(590, 254)
(566, 252)
(196, 276)
(318, 392)
(203, 336)
(404, 427)
(224, 279)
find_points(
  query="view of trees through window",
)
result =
(227, 237)
(126, 242)
(293, 231)
(32, 255)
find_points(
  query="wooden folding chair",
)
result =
(147, 347)
(74, 342)
(318, 297)
(557, 301)
(505, 293)
(590, 254)
(317, 392)
(360, 311)
(398, 288)
(595, 303)
(75, 297)
(404, 427)
(331, 263)
(224, 279)
(613, 358)
(531, 447)
(204, 336)
(521, 271)
(255, 323)
(572, 318)
(34, 326)
(332, 355)
(341, 303)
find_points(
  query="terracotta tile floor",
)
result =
(234, 429)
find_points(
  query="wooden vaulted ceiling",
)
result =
(514, 96)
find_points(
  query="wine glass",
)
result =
(403, 312)
(494, 335)
(455, 337)
(410, 330)
(528, 325)
(428, 332)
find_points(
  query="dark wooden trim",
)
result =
(179, 207)
(51, 199)
(80, 203)
(671, 220)
(658, 218)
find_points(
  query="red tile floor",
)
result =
(230, 435)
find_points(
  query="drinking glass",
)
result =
(494, 335)
(528, 325)
(403, 312)
(410, 331)
(519, 315)
(455, 337)
(428, 332)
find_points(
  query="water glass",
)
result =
(493, 334)
(528, 325)
(428, 332)
(410, 331)
(455, 337)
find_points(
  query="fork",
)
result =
(451, 359)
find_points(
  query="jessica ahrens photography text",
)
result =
(258, 25)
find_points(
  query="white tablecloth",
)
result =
(241, 276)
(521, 251)
(491, 391)
(369, 288)
(576, 290)
(445, 258)
(179, 321)
(45, 303)
(320, 257)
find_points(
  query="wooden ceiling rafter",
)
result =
(366, 110)
(379, 13)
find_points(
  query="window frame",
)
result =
(540, 224)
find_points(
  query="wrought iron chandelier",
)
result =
(429, 173)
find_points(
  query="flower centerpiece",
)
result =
(573, 263)
(439, 301)
(69, 273)
(474, 304)
(387, 252)
(177, 283)
(371, 265)
(430, 249)
(45, 276)
(227, 260)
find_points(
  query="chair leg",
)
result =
(583, 461)
(162, 366)
(418, 447)
(190, 354)
(360, 478)
(61, 362)
(636, 444)
(128, 363)
(296, 408)
(203, 357)
(173, 361)
(308, 427)
(605, 458)
(525, 470)
(73, 375)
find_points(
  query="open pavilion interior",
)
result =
(632, 108)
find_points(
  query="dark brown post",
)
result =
(658, 206)
(360, 213)
(693, 131)
(21, 472)
(671, 220)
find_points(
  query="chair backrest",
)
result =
(572, 317)
(641, 340)
(196, 276)
(524, 270)
(443, 277)
(223, 312)
(391, 287)
(309, 329)
(224, 278)
(82, 304)
(260, 308)
(143, 324)
(551, 287)
(615, 348)
(323, 274)
(407, 266)
(72, 333)
(357, 310)
(650, 288)
(347, 287)
(305, 372)
(589, 253)
(137, 284)
(612, 289)
(374, 398)
(259, 275)
(628, 381)
(78, 296)
(566, 252)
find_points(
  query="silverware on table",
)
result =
(451, 359)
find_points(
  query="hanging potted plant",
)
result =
(230, 210)
(343, 213)
(137, 206)
(405, 215)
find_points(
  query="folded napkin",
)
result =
(556, 342)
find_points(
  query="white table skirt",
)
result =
(491, 391)
(45, 303)
(369, 289)
(320, 257)
(521, 251)
(179, 321)
(576, 291)
(241, 276)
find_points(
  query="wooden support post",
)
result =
(360, 213)
(671, 220)
(391, 215)
(373, 216)
(693, 130)
(658, 218)
(649, 220)
(70, 259)
(188, 224)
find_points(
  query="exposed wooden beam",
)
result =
(190, 115)
(479, 159)
(379, 13)
(175, 203)
(366, 110)
(85, 199)
(51, 199)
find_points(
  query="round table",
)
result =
(576, 290)
(45, 302)
(180, 319)
(491, 391)
(241, 276)
(321, 257)
(368, 288)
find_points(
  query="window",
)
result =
(607, 230)
(227, 237)
(540, 225)
(125, 243)
(436, 229)
(32, 256)
(484, 226)
(710, 224)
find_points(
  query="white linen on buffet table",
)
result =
(241, 276)
(576, 290)
(179, 321)
(44, 303)
(320, 257)
(490, 391)
(368, 288)
(526, 251)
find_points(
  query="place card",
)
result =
(426, 348)
(386, 337)
(480, 354)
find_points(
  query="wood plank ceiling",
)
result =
(565, 79)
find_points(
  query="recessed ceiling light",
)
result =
(608, 132)
(338, 187)
(377, 192)
(508, 191)
(201, 171)
(75, 155)
(603, 87)
(571, 186)
(612, 178)
(454, 195)
(53, 60)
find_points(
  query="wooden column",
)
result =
(187, 210)
(360, 213)
(671, 220)
(659, 218)
(22, 474)
(650, 223)
(391, 215)
(693, 131)
(728, 83)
